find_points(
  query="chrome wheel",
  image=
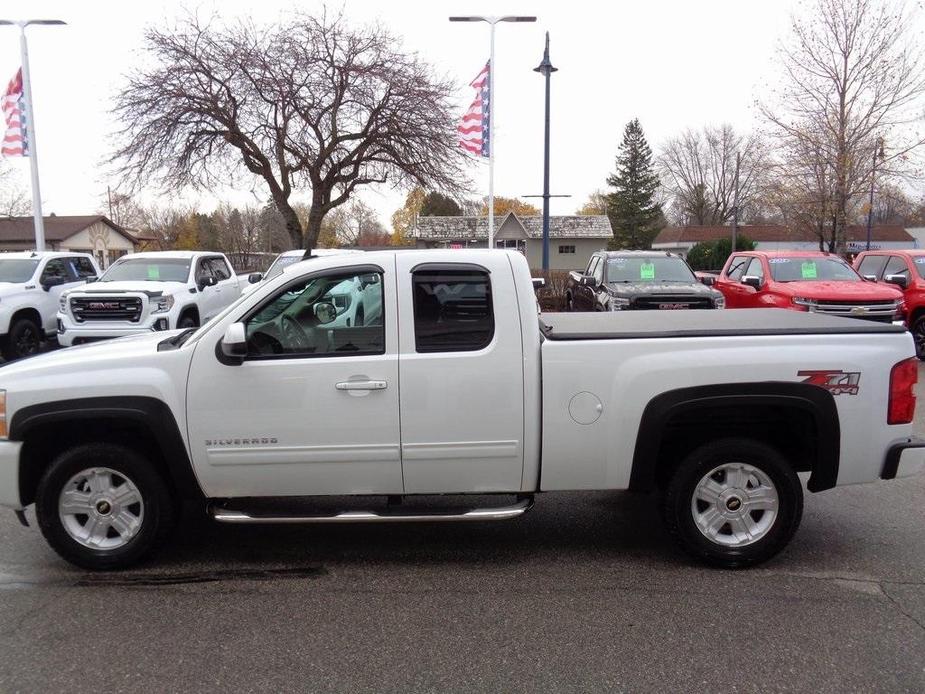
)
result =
(101, 508)
(735, 504)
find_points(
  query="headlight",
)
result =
(808, 304)
(3, 432)
(618, 303)
(719, 301)
(62, 303)
(162, 304)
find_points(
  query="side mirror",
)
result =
(207, 282)
(234, 343)
(708, 280)
(90, 280)
(899, 280)
(368, 280)
(586, 281)
(752, 281)
(255, 277)
(325, 312)
(870, 278)
(53, 282)
(538, 282)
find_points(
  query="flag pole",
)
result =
(491, 141)
(29, 117)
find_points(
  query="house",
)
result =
(572, 238)
(94, 234)
(776, 237)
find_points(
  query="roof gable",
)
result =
(22, 229)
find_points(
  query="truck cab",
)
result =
(905, 270)
(30, 286)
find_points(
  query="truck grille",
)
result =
(646, 303)
(880, 311)
(107, 308)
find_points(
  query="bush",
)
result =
(711, 256)
(552, 295)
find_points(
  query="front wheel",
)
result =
(103, 506)
(733, 503)
(23, 340)
(918, 335)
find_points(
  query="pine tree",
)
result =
(634, 213)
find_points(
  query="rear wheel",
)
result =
(23, 340)
(733, 503)
(918, 334)
(103, 506)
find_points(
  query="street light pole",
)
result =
(546, 69)
(29, 123)
(878, 152)
(735, 205)
(492, 21)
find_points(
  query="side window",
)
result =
(81, 267)
(598, 271)
(219, 269)
(319, 317)
(452, 310)
(55, 269)
(737, 267)
(203, 269)
(896, 266)
(872, 265)
(591, 263)
(756, 269)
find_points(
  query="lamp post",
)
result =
(546, 69)
(878, 152)
(492, 21)
(29, 117)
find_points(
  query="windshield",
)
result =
(649, 269)
(148, 270)
(17, 270)
(281, 262)
(810, 269)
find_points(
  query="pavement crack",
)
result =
(902, 609)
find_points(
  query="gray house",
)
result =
(572, 239)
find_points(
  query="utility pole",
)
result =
(735, 205)
(878, 152)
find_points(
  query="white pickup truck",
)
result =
(157, 291)
(456, 387)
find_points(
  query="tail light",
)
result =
(903, 377)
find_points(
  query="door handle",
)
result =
(361, 385)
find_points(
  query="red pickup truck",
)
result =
(805, 281)
(906, 270)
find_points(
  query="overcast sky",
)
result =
(674, 64)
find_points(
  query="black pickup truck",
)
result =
(634, 280)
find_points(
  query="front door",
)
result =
(313, 408)
(462, 383)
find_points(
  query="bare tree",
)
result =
(312, 102)
(357, 224)
(698, 170)
(852, 78)
(14, 200)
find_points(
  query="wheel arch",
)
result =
(798, 419)
(190, 309)
(143, 423)
(29, 312)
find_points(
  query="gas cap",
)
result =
(585, 408)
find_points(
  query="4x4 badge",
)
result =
(837, 382)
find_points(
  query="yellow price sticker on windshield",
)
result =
(647, 271)
(809, 270)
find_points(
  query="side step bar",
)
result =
(224, 515)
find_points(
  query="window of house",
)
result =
(567, 249)
(452, 309)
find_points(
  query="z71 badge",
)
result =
(837, 382)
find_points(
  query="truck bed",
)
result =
(627, 325)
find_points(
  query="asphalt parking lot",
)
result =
(585, 593)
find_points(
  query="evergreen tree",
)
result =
(634, 213)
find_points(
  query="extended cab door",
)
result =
(313, 407)
(461, 370)
(729, 282)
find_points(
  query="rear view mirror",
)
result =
(752, 281)
(898, 280)
(325, 312)
(368, 280)
(255, 277)
(234, 343)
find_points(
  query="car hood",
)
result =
(145, 287)
(656, 288)
(840, 290)
(10, 287)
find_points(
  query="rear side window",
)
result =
(872, 265)
(736, 267)
(452, 310)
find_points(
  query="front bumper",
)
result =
(904, 459)
(70, 333)
(9, 475)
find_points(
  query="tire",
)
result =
(23, 340)
(187, 321)
(740, 474)
(142, 525)
(918, 335)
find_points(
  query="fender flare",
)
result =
(149, 413)
(816, 401)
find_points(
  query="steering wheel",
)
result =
(294, 335)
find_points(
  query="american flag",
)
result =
(474, 127)
(15, 139)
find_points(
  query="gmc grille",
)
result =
(107, 308)
(646, 303)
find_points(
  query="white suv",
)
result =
(30, 285)
(148, 291)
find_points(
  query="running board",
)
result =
(224, 515)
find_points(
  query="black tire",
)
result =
(23, 340)
(918, 335)
(187, 320)
(678, 499)
(159, 511)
